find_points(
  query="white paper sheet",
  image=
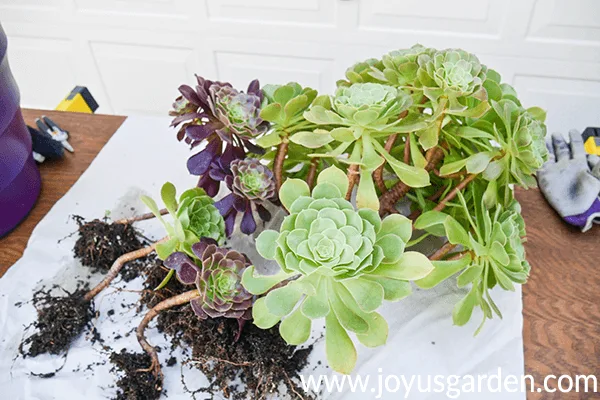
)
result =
(140, 157)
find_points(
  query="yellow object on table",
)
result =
(79, 100)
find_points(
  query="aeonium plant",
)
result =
(194, 217)
(337, 263)
(217, 273)
(491, 237)
(360, 116)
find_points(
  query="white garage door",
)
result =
(133, 54)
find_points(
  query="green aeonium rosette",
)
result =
(336, 263)
(194, 217)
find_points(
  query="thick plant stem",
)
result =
(406, 149)
(443, 251)
(278, 162)
(171, 302)
(142, 217)
(378, 174)
(399, 190)
(117, 266)
(352, 178)
(454, 192)
(312, 172)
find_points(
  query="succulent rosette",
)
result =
(284, 107)
(399, 67)
(217, 273)
(252, 185)
(521, 134)
(224, 118)
(362, 72)
(453, 73)
(494, 254)
(336, 263)
(194, 217)
(360, 116)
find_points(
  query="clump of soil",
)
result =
(135, 384)
(60, 320)
(100, 243)
(260, 360)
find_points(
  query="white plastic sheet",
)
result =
(140, 157)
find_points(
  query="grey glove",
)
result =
(570, 181)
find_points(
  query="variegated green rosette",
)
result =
(336, 263)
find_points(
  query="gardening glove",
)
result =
(570, 181)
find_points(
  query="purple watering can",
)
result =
(19, 175)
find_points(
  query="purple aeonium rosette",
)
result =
(225, 119)
(217, 273)
(252, 185)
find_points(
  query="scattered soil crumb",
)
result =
(101, 243)
(134, 384)
(260, 360)
(60, 320)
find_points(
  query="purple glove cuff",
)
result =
(585, 220)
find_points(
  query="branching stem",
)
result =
(278, 162)
(454, 192)
(378, 174)
(141, 217)
(118, 265)
(352, 178)
(171, 302)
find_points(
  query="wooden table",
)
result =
(561, 300)
(88, 134)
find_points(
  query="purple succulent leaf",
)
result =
(254, 87)
(185, 117)
(225, 205)
(230, 223)
(217, 174)
(263, 213)
(240, 203)
(185, 268)
(210, 186)
(211, 312)
(253, 148)
(198, 163)
(248, 225)
(197, 308)
(202, 246)
(190, 94)
(200, 132)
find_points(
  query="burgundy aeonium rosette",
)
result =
(252, 185)
(217, 276)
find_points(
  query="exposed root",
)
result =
(150, 350)
(141, 217)
(117, 266)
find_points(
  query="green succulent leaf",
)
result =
(312, 140)
(443, 270)
(168, 194)
(412, 266)
(334, 176)
(295, 329)
(464, 308)
(259, 284)
(261, 315)
(455, 232)
(341, 353)
(291, 190)
(368, 294)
